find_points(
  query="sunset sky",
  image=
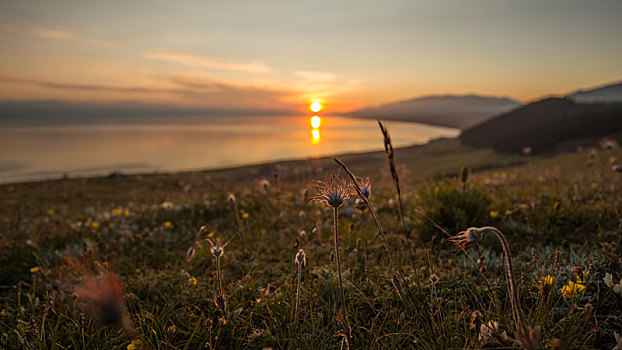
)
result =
(283, 54)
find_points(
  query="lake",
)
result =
(40, 152)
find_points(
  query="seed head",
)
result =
(333, 191)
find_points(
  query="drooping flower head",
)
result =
(464, 238)
(333, 191)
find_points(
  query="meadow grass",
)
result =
(562, 220)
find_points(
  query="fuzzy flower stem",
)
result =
(218, 277)
(343, 296)
(372, 210)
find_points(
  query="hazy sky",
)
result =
(281, 54)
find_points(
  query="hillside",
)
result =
(543, 124)
(604, 94)
(453, 111)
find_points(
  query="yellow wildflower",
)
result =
(94, 224)
(50, 211)
(571, 290)
(192, 281)
(548, 279)
(133, 344)
(494, 214)
(34, 269)
(126, 212)
(210, 235)
(508, 212)
(523, 206)
(167, 224)
(245, 216)
(116, 211)
(594, 185)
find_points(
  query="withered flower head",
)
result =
(333, 191)
(102, 298)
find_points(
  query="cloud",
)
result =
(54, 34)
(190, 59)
(184, 89)
(315, 77)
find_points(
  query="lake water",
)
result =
(48, 152)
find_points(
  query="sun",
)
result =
(316, 121)
(316, 106)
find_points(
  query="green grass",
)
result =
(556, 213)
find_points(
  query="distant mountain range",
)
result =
(450, 110)
(544, 124)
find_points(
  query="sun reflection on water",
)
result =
(315, 136)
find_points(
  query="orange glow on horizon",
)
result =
(316, 122)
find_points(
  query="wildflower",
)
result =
(34, 269)
(300, 261)
(217, 248)
(433, 278)
(548, 279)
(508, 212)
(126, 212)
(594, 185)
(167, 224)
(527, 150)
(464, 238)
(167, 205)
(210, 235)
(571, 290)
(231, 198)
(116, 211)
(333, 191)
(192, 281)
(365, 183)
(494, 214)
(94, 224)
(617, 288)
(134, 344)
(608, 279)
(245, 216)
(263, 183)
(487, 332)
(191, 253)
(616, 168)
(50, 212)
(103, 298)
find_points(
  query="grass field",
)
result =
(562, 219)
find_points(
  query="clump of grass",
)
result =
(333, 192)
